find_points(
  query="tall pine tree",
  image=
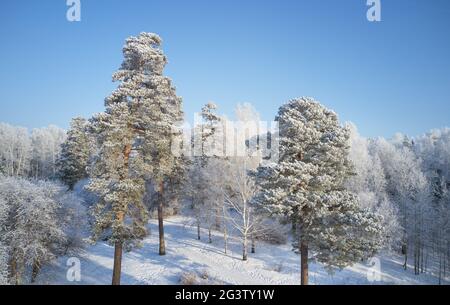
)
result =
(160, 120)
(124, 133)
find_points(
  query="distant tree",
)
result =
(46, 146)
(370, 184)
(73, 159)
(203, 198)
(160, 117)
(15, 150)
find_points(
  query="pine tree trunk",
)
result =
(14, 271)
(304, 262)
(209, 235)
(198, 229)
(120, 217)
(35, 270)
(162, 245)
(117, 269)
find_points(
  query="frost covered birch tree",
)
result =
(239, 186)
(46, 146)
(15, 150)
(308, 186)
(370, 184)
(33, 232)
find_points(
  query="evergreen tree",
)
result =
(307, 186)
(119, 170)
(160, 117)
(74, 155)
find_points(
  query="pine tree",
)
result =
(160, 117)
(118, 173)
(307, 186)
(74, 155)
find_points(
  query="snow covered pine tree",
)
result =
(118, 171)
(307, 186)
(135, 137)
(74, 156)
(160, 119)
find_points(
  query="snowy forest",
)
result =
(138, 197)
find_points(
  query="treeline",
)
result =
(31, 155)
(407, 181)
(39, 219)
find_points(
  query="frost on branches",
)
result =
(36, 218)
(307, 186)
(4, 274)
(204, 189)
(134, 134)
(159, 118)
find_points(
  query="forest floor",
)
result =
(271, 264)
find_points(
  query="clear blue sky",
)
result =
(386, 77)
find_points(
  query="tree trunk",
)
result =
(209, 235)
(422, 267)
(244, 248)
(162, 245)
(117, 269)
(225, 238)
(35, 270)
(253, 244)
(405, 252)
(304, 262)
(198, 229)
(217, 222)
(14, 271)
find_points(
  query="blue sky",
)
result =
(386, 77)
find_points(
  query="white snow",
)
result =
(269, 265)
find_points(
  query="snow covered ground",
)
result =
(269, 265)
